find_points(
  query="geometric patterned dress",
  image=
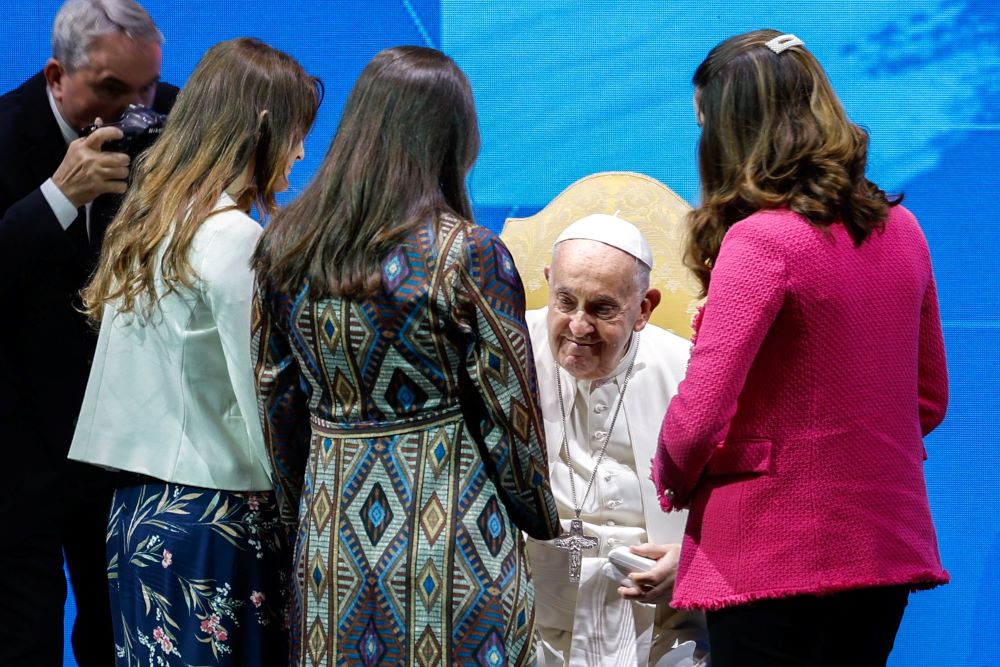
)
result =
(409, 455)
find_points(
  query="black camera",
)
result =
(140, 127)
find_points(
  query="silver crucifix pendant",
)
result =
(574, 543)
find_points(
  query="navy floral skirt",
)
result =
(197, 577)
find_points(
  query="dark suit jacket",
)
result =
(45, 344)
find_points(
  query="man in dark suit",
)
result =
(57, 195)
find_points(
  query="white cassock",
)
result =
(589, 623)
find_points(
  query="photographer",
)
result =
(105, 55)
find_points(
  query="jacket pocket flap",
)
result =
(740, 457)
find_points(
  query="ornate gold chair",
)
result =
(648, 204)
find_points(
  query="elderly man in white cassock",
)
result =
(605, 378)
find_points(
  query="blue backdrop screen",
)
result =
(565, 89)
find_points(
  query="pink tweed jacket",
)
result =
(796, 436)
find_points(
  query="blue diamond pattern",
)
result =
(404, 395)
(395, 270)
(376, 514)
(505, 265)
(429, 584)
(495, 526)
(491, 651)
(491, 525)
(371, 646)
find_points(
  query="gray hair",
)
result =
(80, 22)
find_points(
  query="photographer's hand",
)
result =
(86, 172)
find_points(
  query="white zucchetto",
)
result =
(610, 230)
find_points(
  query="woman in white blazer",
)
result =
(195, 547)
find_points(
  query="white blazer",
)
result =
(173, 396)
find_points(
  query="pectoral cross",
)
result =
(574, 543)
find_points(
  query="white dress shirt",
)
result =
(173, 396)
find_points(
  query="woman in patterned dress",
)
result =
(195, 544)
(398, 392)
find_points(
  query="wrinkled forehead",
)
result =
(116, 55)
(575, 253)
(594, 266)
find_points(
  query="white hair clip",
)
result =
(783, 42)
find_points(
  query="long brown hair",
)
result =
(246, 106)
(406, 141)
(775, 135)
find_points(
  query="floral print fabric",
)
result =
(197, 577)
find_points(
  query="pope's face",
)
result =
(595, 304)
(120, 71)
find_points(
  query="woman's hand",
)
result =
(657, 585)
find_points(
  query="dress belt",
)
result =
(362, 429)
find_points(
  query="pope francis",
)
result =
(605, 378)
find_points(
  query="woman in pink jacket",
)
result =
(817, 368)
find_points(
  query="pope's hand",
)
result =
(657, 585)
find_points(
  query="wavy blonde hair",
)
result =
(774, 134)
(244, 109)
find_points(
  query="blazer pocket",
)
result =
(741, 457)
